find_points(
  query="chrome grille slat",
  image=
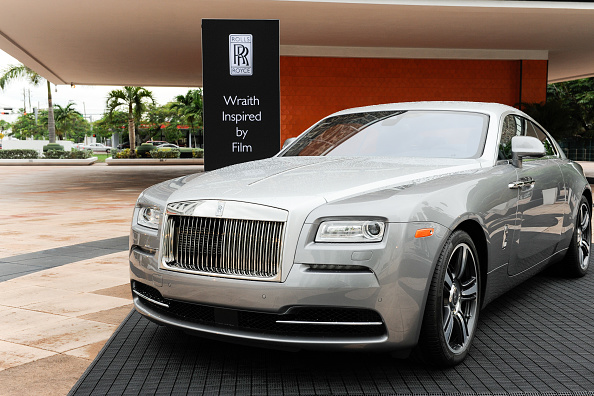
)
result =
(243, 267)
(246, 248)
(268, 238)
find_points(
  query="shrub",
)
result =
(80, 154)
(61, 154)
(166, 152)
(52, 146)
(144, 150)
(185, 152)
(19, 154)
(125, 153)
(198, 153)
(54, 154)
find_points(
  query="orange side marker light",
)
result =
(424, 232)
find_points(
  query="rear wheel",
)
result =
(577, 259)
(451, 313)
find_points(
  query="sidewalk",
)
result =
(55, 319)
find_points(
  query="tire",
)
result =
(577, 259)
(452, 309)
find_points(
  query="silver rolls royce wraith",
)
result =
(379, 228)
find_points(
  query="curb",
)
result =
(36, 162)
(154, 161)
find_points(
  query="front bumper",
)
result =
(391, 289)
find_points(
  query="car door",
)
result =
(541, 202)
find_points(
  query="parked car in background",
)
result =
(98, 148)
(125, 145)
(156, 142)
(379, 228)
(168, 145)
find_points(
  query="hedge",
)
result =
(52, 146)
(198, 153)
(144, 150)
(19, 154)
(166, 152)
(61, 154)
(125, 153)
(50, 154)
(156, 152)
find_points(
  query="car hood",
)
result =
(286, 182)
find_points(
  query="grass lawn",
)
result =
(101, 157)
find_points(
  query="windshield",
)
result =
(426, 134)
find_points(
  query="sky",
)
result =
(89, 100)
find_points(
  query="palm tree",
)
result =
(64, 116)
(190, 107)
(13, 72)
(135, 100)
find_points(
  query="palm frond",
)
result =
(15, 72)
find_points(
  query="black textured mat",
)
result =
(22, 264)
(536, 339)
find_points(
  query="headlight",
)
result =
(351, 231)
(149, 216)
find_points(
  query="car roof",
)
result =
(481, 107)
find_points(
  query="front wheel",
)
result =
(451, 313)
(577, 258)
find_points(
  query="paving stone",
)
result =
(516, 350)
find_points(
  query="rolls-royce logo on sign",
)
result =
(240, 54)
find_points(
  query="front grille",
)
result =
(330, 322)
(247, 248)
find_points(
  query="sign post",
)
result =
(241, 81)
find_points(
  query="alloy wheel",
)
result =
(584, 236)
(460, 296)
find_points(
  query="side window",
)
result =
(533, 130)
(512, 126)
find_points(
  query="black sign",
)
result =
(240, 76)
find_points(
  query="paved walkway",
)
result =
(64, 282)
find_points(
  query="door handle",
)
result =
(522, 182)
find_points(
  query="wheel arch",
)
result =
(476, 232)
(588, 194)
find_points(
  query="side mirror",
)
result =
(288, 142)
(526, 146)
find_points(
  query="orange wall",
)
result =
(534, 81)
(312, 88)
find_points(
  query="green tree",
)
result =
(135, 100)
(554, 117)
(162, 122)
(108, 124)
(13, 72)
(577, 97)
(25, 126)
(65, 119)
(190, 107)
(79, 127)
(4, 126)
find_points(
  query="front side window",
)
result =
(514, 125)
(533, 130)
(425, 134)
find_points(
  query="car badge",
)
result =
(220, 209)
